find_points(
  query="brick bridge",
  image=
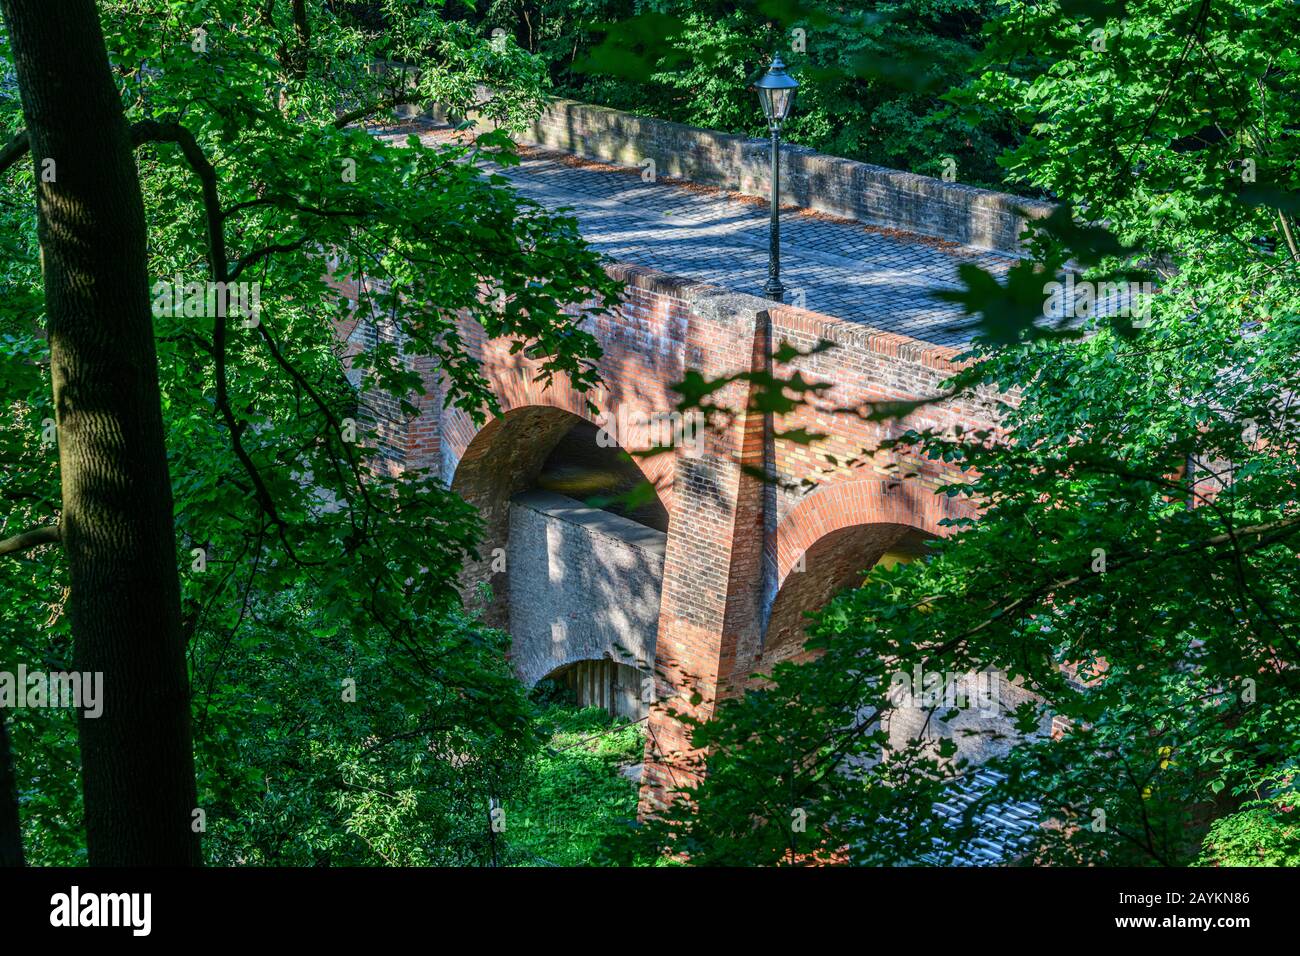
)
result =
(708, 583)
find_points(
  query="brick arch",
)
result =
(831, 538)
(844, 504)
(496, 462)
(546, 408)
(515, 390)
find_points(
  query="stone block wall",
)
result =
(584, 585)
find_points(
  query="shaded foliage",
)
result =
(875, 75)
(303, 564)
(1134, 564)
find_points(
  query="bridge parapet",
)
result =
(876, 195)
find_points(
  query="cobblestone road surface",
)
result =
(879, 277)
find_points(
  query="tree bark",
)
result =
(117, 524)
(11, 834)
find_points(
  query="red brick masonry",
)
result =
(735, 544)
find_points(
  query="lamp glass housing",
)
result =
(776, 91)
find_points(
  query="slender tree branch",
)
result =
(1264, 534)
(335, 425)
(35, 537)
(14, 150)
(265, 252)
(409, 98)
(219, 266)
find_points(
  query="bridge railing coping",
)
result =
(717, 302)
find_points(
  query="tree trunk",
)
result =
(137, 757)
(11, 834)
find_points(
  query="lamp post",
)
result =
(776, 89)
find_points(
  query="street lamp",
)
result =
(776, 89)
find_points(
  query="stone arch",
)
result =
(831, 538)
(492, 464)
